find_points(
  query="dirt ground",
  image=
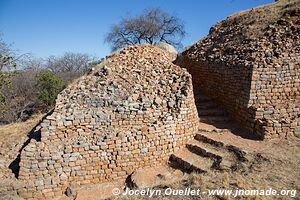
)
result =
(274, 164)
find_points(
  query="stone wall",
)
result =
(275, 97)
(264, 100)
(103, 127)
(249, 63)
(228, 85)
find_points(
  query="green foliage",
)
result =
(5, 78)
(7, 56)
(7, 62)
(50, 85)
(3, 107)
(5, 81)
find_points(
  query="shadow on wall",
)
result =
(211, 113)
(230, 86)
(35, 134)
(266, 106)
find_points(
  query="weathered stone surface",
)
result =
(168, 48)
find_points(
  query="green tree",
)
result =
(50, 85)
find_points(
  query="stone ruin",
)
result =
(137, 107)
(250, 64)
(134, 110)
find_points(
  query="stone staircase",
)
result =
(207, 151)
(204, 153)
(209, 112)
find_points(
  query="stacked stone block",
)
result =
(252, 68)
(133, 111)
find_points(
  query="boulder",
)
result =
(150, 177)
(168, 48)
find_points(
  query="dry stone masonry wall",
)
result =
(250, 63)
(133, 111)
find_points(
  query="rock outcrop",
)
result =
(132, 111)
(249, 63)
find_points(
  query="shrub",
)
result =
(5, 82)
(2, 105)
(50, 85)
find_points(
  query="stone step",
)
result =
(216, 127)
(205, 105)
(223, 159)
(200, 97)
(204, 101)
(211, 112)
(240, 154)
(206, 139)
(212, 119)
(190, 162)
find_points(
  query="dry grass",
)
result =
(14, 131)
(12, 138)
(277, 170)
(256, 20)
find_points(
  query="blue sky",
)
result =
(52, 27)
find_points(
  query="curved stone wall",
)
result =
(133, 111)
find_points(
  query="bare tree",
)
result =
(8, 56)
(20, 89)
(151, 26)
(70, 65)
(20, 96)
(31, 63)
